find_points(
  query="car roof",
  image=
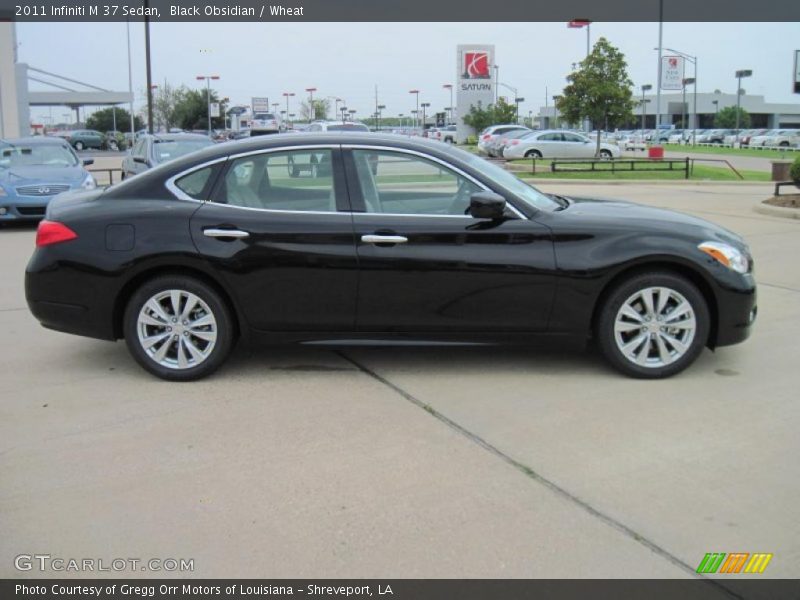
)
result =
(37, 140)
(174, 137)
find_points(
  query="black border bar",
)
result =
(404, 589)
(407, 10)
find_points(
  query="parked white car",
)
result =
(264, 123)
(489, 134)
(757, 141)
(784, 138)
(557, 144)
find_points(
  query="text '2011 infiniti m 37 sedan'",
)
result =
(379, 238)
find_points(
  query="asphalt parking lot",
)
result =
(411, 462)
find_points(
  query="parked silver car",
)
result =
(489, 134)
(557, 144)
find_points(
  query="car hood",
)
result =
(36, 174)
(637, 217)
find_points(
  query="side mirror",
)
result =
(88, 161)
(139, 159)
(487, 205)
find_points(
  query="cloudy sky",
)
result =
(349, 59)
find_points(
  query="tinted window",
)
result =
(550, 137)
(164, 150)
(298, 180)
(571, 137)
(348, 127)
(399, 183)
(195, 183)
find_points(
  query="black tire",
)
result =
(79, 146)
(225, 328)
(605, 155)
(533, 154)
(605, 323)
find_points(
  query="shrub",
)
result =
(794, 172)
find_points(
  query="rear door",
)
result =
(283, 239)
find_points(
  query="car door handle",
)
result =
(384, 239)
(225, 233)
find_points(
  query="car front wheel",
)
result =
(653, 325)
(178, 328)
(533, 154)
(79, 146)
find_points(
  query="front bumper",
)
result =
(737, 309)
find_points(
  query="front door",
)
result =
(279, 231)
(427, 266)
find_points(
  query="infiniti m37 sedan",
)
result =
(387, 238)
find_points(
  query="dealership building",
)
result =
(675, 106)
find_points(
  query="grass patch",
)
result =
(787, 154)
(700, 173)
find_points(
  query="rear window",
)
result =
(194, 184)
(348, 127)
(265, 116)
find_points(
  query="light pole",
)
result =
(556, 98)
(716, 110)
(402, 121)
(690, 80)
(287, 95)
(645, 88)
(496, 82)
(416, 93)
(208, 79)
(378, 114)
(312, 111)
(414, 126)
(517, 101)
(344, 113)
(449, 86)
(336, 105)
(424, 105)
(579, 24)
(739, 76)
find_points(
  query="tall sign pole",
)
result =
(660, 44)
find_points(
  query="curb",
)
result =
(777, 211)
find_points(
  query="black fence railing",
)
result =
(632, 165)
(108, 179)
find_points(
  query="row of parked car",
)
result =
(517, 141)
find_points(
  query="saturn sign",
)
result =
(475, 85)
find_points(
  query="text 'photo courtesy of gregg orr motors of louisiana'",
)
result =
(407, 300)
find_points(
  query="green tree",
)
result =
(600, 90)
(494, 114)
(726, 118)
(191, 110)
(321, 109)
(103, 120)
(165, 99)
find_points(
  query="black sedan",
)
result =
(394, 239)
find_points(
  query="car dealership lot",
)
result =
(411, 462)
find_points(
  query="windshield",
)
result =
(170, 149)
(516, 186)
(52, 155)
(348, 127)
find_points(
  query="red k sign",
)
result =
(476, 65)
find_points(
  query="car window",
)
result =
(52, 155)
(194, 184)
(138, 149)
(164, 150)
(399, 183)
(550, 137)
(571, 137)
(296, 180)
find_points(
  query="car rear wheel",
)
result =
(653, 325)
(605, 155)
(178, 328)
(79, 146)
(533, 154)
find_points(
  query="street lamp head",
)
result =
(311, 89)
(413, 91)
(688, 81)
(448, 86)
(647, 87)
(744, 73)
(381, 106)
(518, 100)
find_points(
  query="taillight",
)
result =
(513, 142)
(487, 136)
(51, 232)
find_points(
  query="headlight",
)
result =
(729, 256)
(89, 183)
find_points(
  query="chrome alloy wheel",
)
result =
(655, 327)
(177, 329)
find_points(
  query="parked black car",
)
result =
(151, 150)
(436, 245)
